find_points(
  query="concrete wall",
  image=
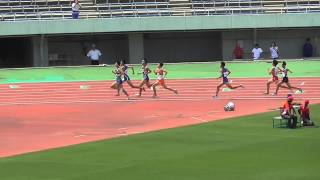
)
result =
(155, 47)
(74, 48)
(290, 41)
(182, 46)
(39, 45)
(136, 47)
(147, 24)
(167, 47)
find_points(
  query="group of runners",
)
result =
(274, 71)
(122, 75)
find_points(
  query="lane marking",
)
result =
(199, 119)
(151, 116)
(212, 112)
(84, 87)
(13, 86)
(149, 100)
(80, 135)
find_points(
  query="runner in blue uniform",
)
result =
(118, 84)
(225, 81)
(126, 77)
(145, 74)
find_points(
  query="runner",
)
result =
(161, 74)
(274, 71)
(118, 84)
(126, 77)
(145, 72)
(285, 79)
(225, 81)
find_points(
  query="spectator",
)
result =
(94, 55)
(238, 52)
(256, 52)
(274, 51)
(75, 9)
(305, 114)
(288, 112)
(307, 48)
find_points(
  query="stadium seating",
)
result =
(61, 9)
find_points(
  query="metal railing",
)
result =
(158, 8)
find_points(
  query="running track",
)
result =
(41, 116)
(99, 91)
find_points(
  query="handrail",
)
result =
(139, 9)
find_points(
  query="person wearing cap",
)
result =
(305, 114)
(289, 113)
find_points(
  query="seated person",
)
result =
(289, 113)
(305, 114)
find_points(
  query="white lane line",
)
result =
(122, 131)
(104, 83)
(151, 116)
(147, 97)
(99, 100)
(181, 82)
(80, 135)
(213, 112)
(199, 119)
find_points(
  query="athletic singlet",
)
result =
(145, 73)
(117, 73)
(224, 74)
(160, 74)
(274, 72)
(125, 69)
(284, 72)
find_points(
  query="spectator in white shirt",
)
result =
(274, 51)
(75, 9)
(94, 55)
(256, 52)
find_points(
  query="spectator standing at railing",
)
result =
(237, 52)
(75, 9)
(274, 51)
(307, 48)
(256, 52)
(94, 55)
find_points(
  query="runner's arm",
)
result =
(165, 72)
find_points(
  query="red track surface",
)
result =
(35, 117)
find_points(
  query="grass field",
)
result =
(244, 148)
(176, 71)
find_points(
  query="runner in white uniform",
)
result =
(285, 80)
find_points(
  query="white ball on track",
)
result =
(229, 107)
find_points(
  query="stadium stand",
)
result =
(11, 10)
